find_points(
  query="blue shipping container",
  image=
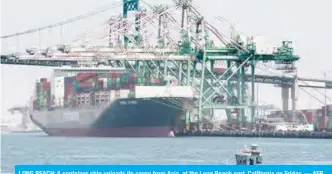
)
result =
(69, 80)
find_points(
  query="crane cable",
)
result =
(318, 91)
(290, 75)
(293, 77)
(83, 16)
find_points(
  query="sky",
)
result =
(305, 22)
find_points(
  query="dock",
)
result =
(259, 134)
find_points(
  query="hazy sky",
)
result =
(306, 22)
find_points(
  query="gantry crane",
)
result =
(190, 57)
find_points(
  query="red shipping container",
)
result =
(68, 89)
(309, 116)
(85, 76)
(69, 85)
(101, 84)
(134, 74)
(131, 86)
(157, 80)
(116, 74)
(329, 107)
(131, 80)
(43, 80)
(46, 86)
(86, 85)
(219, 70)
(323, 122)
(112, 75)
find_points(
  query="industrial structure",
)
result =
(157, 43)
(26, 125)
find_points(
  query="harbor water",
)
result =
(38, 148)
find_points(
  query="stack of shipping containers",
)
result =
(316, 117)
(309, 114)
(84, 86)
(319, 119)
(43, 94)
(322, 119)
(329, 115)
(92, 88)
(327, 118)
(68, 91)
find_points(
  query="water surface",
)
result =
(38, 148)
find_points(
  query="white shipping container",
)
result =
(58, 90)
(164, 91)
(124, 93)
(114, 94)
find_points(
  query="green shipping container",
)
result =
(316, 126)
(288, 113)
(137, 80)
(118, 80)
(329, 125)
(118, 85)
(329, 113)
(40, 98)
(131, 93)
(163, 83)
(187, 118)
(109, 83)
(86, 89)
(141, 81)
(124, 78)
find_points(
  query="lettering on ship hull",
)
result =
(70, 116)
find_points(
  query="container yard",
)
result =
(168, 81)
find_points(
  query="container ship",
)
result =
(109, 102)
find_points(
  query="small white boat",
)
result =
(250, 156)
